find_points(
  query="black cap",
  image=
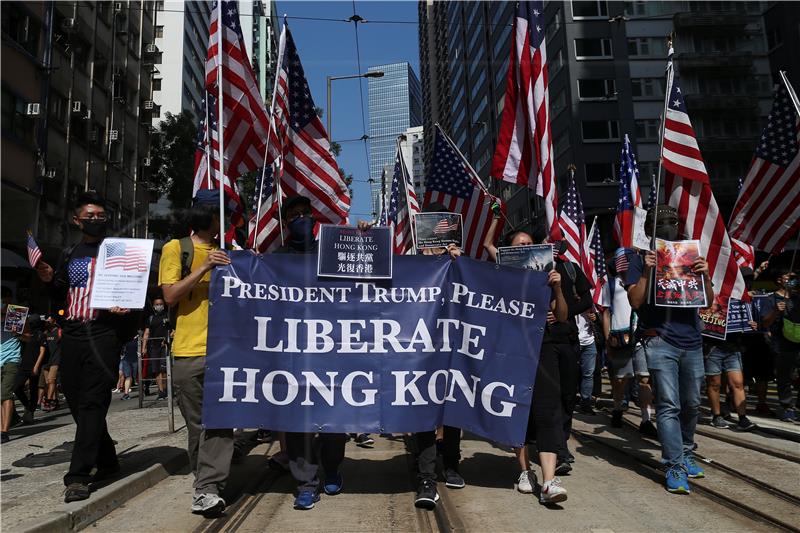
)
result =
(539, 234)
(292, 201)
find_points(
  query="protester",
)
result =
(587, 357)
(10, 357)
(672, 344)
(758, 368)
(90, 345)
(306, 451)
(129, 366)
(53, 340)
(626, 354)
(545, 418)
(155, 340)
(184, 276)
(27, 379)
(784, 324)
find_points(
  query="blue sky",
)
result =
(329, 49)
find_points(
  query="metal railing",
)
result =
(166, 356)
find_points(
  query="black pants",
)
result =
(544, 421)
(27, 396)
(307, 451)
(89, 369)
(569, 370)
(426, 449)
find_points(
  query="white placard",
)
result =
(640, 238)
(121, 273)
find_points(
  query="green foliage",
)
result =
(172, 158)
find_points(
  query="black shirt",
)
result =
(577, 293)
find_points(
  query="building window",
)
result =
(559, 103)
(597, 90)
(648, 87)
(601, 173)
(647, 129)
(600, 130)
(647, 47)
(556, 64)
(774, 37)
(15, 123)
(21, 27)
(554, 26)
(156, 84)
(647, 169)
(561, 143)
(589, 9)
(592, 49)
(159, 32)
(648, 8)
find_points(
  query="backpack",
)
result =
(187, 256)
(791, 323)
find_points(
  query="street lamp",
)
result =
(372, 74)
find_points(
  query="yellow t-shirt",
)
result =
(191, 328)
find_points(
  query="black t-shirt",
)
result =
(159, 327)
(31, 351)
(53, 343)
(576, 290)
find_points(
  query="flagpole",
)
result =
(208, 147)
(670, 74)
(790, 89)
(220, 128)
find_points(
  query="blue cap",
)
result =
(206, 197)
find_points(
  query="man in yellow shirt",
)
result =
(184, 276)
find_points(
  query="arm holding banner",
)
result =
(488, 242)
(560, 310)
(175, 292)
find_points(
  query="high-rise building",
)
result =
(412, 146)
(433, 67)
(606, 70)
(265, 46)
(395, 104)
(76, 114)
(782, 25)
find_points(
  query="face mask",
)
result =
(158, 308)
(301, 232)
(94, 228)
(667, 232)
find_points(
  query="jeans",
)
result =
(426, 450)
(306, 452)
(588, 358)
(677, 377)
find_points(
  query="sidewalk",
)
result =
(33, 470)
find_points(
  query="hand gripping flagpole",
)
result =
(220, 128)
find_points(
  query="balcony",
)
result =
(717, 23)
(730, 61)
(708, 102)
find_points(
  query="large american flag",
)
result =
(597, 272)
(767, 213)
(573, 227)
(744, 253)
(34, 253)
(403, 205)
(454, 184)
(245, 120)
(629, 195)
(79, 273)
(126, 256)
(308, 167)
(689, 192)
(524, 151)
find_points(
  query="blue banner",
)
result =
(442, 342)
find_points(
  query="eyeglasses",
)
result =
(95, 216)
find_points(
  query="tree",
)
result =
(172, 157)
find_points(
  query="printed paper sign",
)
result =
(348, 252)
(739, 317)
(15, 318)
(676, 284)
(437, 230)
(715, 318)
(640, 238)
(533, 256)
(121, 275)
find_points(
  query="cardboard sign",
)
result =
(438, 230)
(348, 252)
(533, 256)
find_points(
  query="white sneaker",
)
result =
(552, 492)
(526, 482)
(207, 504)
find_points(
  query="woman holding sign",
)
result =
(544, 421)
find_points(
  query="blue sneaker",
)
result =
(676, 481)
(333, 484)
(306, 500)
(789, 415)
(693, 470)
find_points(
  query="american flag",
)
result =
(126, 256)
(402, 207)
(767, 213)
(599, 275)
(34, 253)
(524, 152)
(454, 184)
(744, 253)
(689, 192)
(245, 120)
(309, 168)
(652, 198)
(629, 195)
(444, 226)
(573, 227)
(79, 272)
(621, 261)
(265, 235)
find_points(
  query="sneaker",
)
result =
(453, 480)
(4, 437)
(718, 422)
(526, 482)
(763, 409)
(76, 492)
(676, 480)
(147, 391)
(789, 415)
(333, 484)
(363, 440)
(563, 468)
(585, 407)
(427, 495)
(207, 504)
(552, 492)
(306, 500)
(126, 397)
(744, 424)
(693, 470)
(647, 429)
(624, 405)
(616, 418)
(116, 390)
(263, 435)
(27, 417)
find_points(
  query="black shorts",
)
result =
(156, 359)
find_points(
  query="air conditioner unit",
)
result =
(77, 106)
(151, 48)
(68, 25)
(88, 115)
(32, 110)
(149, 104)
(118, 6)
(146, 162)
(113, 135)
(50, 172)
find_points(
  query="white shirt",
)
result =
(585, 331)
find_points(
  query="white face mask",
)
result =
(158, 308)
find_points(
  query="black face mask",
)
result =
(668, 232)
(94, 227)
(301, 233)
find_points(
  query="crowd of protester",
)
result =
(653, 356)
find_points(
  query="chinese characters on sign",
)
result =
(677, 285)
(348, 252)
